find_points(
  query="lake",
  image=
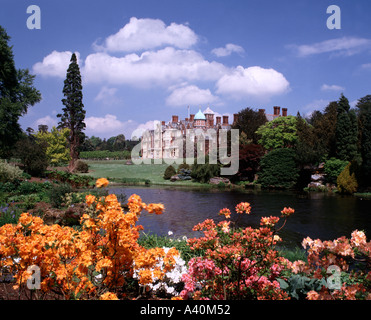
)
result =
(317, 215)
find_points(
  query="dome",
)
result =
(199, 116)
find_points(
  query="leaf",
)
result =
(283, 284)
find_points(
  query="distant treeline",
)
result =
(105, 154)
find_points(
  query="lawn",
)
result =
(119, 171)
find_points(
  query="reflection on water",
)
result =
(317, 215)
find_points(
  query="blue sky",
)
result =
(147, 60)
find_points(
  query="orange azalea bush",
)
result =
(95, 262)
(237, 263)
(345, 261)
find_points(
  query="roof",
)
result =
(199, 116)
(208, 111)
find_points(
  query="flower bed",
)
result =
(103, 259)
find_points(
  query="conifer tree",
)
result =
(346, 130)
(73, 112)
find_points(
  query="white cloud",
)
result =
(141, 34)
(107, 96)
(108, 126)
(55, 64)
(228, 50)
(366, 66)
(141, 128)
(347, 46)
(162, 67)
(334, 87)
(190, 95)
(309, 108)
(47, 120)
(254, 82)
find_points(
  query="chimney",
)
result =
(192, 117)
(262, 111)
(284, 112)
(175, 119)
(235, 118)
(225, 120)
(211, 123)
(218, 120)
(163, 123)
(276, 110)
(186, 119)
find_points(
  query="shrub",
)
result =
(347, 181)
(203, 172)
(81, 167)
(9, 173)
(184, 166)
(57, 194)
(278, 169)
(333, 167)
(169, 172)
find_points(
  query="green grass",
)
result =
(118, 171)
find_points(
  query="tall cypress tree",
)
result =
(346, 131)
(73, 112)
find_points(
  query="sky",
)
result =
(146, 60)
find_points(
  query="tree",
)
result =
(73, 112)
(16, 95)
(56, 142)
(364, 121)
(249, 161)
(279, 133)
(278, 169)
(248, 121)
(346, 131)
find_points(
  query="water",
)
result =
(317, 215)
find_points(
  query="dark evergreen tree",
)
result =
(16, 95)
(73, 115)
(346, 131)
(248, 121)
(364, 116)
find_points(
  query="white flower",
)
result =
(170, 233)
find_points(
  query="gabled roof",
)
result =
(208, 111)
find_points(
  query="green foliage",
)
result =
(105, 154)
(203, 172)
(364, 112)
(346, 131)
(278, 169)
(58, 192)
(248, 122)
(169, 172)
(73, 112)
(279, 133)
(297, 286)
(32, 155)
(9, 173)
(333, 167)
(56, 143)
(347, 181)
(73, 179)
(9, 215)
(81, 167)
(16, 95)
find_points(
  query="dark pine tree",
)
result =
(346, 131)
(364, 116)
(73, 115)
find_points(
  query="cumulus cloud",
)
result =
(47, 120)
(347, 46)
(55, 64)
(190, 95)
(107, 96)
(228, 50)
(334, 87)
(142, 34)
(162, 67)
(253, 82)
(108, 126)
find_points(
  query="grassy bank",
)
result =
(118, 171)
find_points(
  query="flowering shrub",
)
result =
(344, 263)
(237, 263)
(94, 262)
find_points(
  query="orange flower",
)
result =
(102, 182)
(243, 207)
(89, 199)
(156, 208)
(286, 212)
(108, 296)
(225, 212)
